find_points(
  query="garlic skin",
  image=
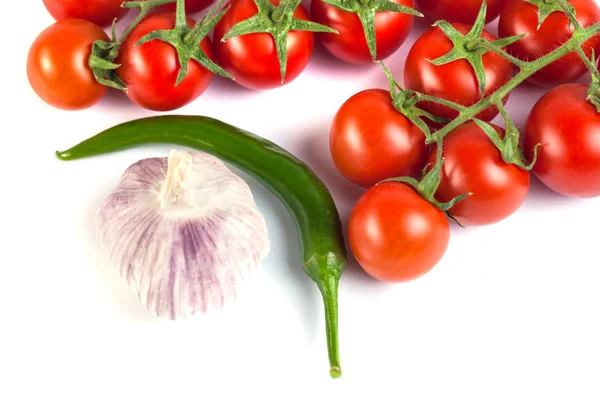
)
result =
(184, 232)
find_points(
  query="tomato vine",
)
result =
(471, 47)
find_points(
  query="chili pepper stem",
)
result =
(329, 292)
(326, 271)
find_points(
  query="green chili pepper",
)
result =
(288, 178)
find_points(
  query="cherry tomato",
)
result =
(519, 17)
(191, 6)
(455, 81)
(473, 164)
(350, 45)
(395, 234)
(57, 65)
(567, 127)
(150, 70)
(371, 141)
(252, 59)
(463, 11)
(100, 12)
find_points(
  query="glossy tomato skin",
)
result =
(191, 6)
(455, 81)
(396, 235)
(371, 141)
(567, 128)
(462, 11)
(252, 59)
(350, 45)
(100, 12)
(519, 17)
(473, 164)
(150, 70)
(57, 65)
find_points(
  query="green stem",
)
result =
(444, 102)
(190, 37)
(580, 36)
(180, 19)
(284, 8)
(588, 63)
(519, 63)
(503, 112)
(329, 291)
(567, 10)
(199, 30)
(144, 7)
(471, 45)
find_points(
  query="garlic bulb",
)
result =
(184, 232)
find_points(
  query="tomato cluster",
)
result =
(397, 231)
(150, 70)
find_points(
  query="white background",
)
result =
(510, 313)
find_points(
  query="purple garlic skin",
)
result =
(184, 232)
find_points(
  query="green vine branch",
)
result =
(580, 36)
(471, 47)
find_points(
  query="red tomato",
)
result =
(395, 234)
(57, 65)
(473, 164)
(463, 11)
(350, 45)
(455, 81)
(520, 17)
(252, 59)
(191, 6)
(100, 12)
(150, 70)
(371, 141)
(567, 128)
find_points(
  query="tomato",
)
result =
(100, 12)
(455, 81)
(252, 59)
(520, 16)
(371, 141)
(473, 164)
(463, 11)
(57, 65)
(395, 234)
(191, 6)
(350, 45)
(567, 128)
(150, 70)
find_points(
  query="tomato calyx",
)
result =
(185, 40)
(429, 184)
(277, 21)
(509, 145)
(102, 65)
(182, 38)
(471, 47)
(366, 10)
(593, 92)
(104, 53)
(405, 101)
(547, 7)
